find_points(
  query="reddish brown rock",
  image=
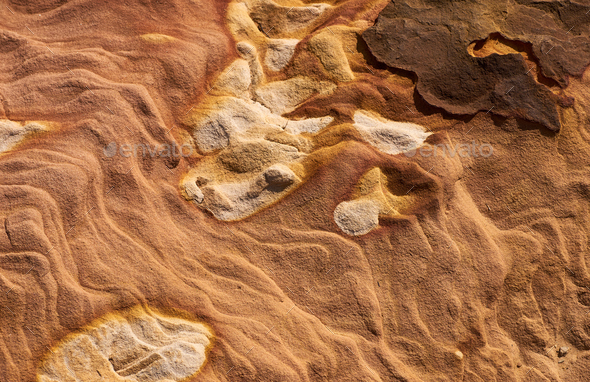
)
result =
(479, 273)
(432, 38)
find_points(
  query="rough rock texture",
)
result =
(330, 52)
(387, 136)
(431, 38)
(12, 133)
(373, 198)
(240, 126)
(137, 345)
(357, 217)
(479, 273)
(279, 53)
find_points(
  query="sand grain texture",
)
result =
(302, 238)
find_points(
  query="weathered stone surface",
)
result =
(432, 40)
(136, 345)
(12, 133)
(304, 240)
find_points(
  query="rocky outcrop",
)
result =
(432, 38)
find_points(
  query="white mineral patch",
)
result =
(389, 137)
(11, 133)
(230, 119)
(311, 125)
(372, 199)
(235, 80)
(236, 200)
(357, 217)
(279, 53)
(140, 346)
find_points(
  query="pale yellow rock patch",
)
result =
(12, 133)
(234, 81)
(389, 136)
(249, 52)
(371, 199)
(157, 38)
(284, 96)
(329, 50)
(279, 52)
(241, 25)
(136, 345)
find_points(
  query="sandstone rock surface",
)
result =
(294, 238)
(138, 345)
(432, 39)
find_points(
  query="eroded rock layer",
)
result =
(254, 155)
(431, 38)
(303, 224)
(136, 345)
